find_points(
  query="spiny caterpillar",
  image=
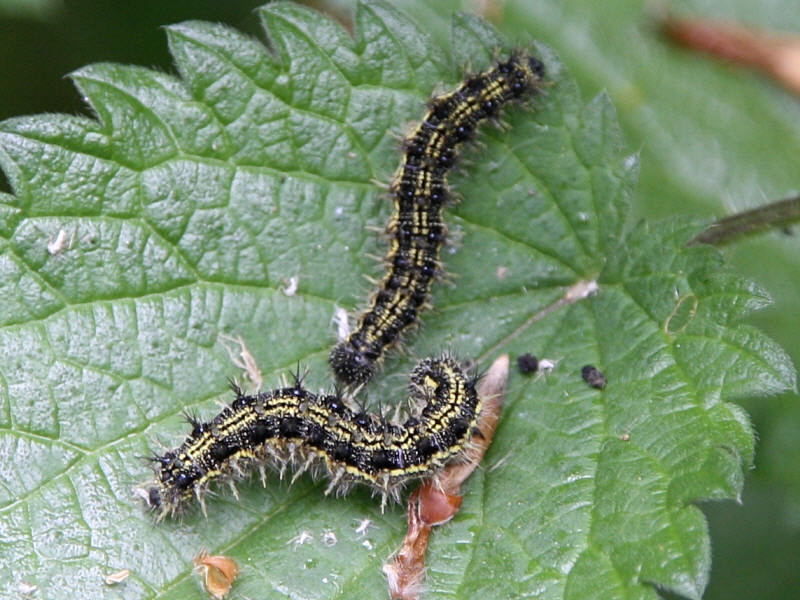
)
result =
(419, 192)
(291, 426)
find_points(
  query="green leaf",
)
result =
(134, 240)
(32, 9)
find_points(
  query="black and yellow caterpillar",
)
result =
(291, 426)
(419, 192)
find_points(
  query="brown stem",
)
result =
(775, 215)
(777, 55)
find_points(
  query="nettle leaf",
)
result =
(134, 240)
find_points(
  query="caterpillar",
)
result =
(419, 192)
(293, 427)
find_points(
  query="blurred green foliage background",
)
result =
(712, 139)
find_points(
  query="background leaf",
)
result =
(187, 206)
